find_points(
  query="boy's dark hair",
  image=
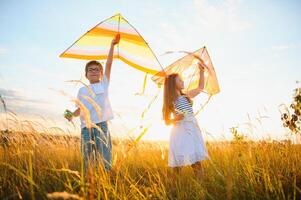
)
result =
(92, 62)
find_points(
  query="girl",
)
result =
(186, 145)
(99, 84)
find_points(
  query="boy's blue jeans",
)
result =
(100, 142)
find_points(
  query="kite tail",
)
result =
(143, 86)
(150, 103)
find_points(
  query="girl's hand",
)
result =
(202, 65)
(116, 39)
(179, 117)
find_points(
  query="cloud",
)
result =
(17, 96)
(3, 51)
(225, 15)
(205, 22)
(19, 103)
(285, 47)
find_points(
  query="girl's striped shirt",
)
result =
(183, 106)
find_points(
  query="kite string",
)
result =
(203, 106)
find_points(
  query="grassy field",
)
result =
(34, 165)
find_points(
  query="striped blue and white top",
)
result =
(182, 106)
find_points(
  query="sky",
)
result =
(254, 45)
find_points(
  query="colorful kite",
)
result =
(188, 69)
(132, 48)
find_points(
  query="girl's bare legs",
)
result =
(198, 169)
(175, 172)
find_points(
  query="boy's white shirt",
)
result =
(101, 97)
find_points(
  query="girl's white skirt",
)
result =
(186, 145)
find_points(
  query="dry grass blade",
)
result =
(94, 104)
(63, 195)
(3, 103)
(85, 85)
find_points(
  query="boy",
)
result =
(99, 83)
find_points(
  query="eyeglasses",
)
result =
(94, 70)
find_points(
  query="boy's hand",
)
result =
(116, 39)
(68, 115)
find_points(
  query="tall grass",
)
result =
(39, 166)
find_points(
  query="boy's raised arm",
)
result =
(110, 57)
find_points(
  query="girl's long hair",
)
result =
(169, 97)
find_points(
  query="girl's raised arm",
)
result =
(200, 88)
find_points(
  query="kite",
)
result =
(188, 69)
(132, 48)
